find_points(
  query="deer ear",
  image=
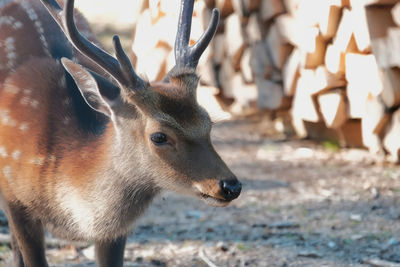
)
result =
(99, 93)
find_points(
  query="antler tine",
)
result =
(186, 56)
(120, 69)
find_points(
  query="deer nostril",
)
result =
(230, 189)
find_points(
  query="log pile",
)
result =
(334, 65)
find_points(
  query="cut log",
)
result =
(153, 64)
(290, 72)
(328, 21)
(350, 133)
(260, 62)
(326, 80)
(334, 59)
(170, 7)
(225, 7)
(379, 20)
(234, 39)
(303, 103)
(374, 114)
(291, 6)
(360, 29)
(396, 14)
(344, 31)
(270, 94)
(391, 87)
(391, 141)
(245, 66)
(207, 71)
(314, 58)
(279, 50)
(219, 48)
(333, 108)
(363, 78)
(206, 97)
(393, 46)
(253, 29)
(271, 8)
(225, 78)
(380, 2)
(251, 5)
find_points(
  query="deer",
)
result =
(86, 144)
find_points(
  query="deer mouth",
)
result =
(213, 201)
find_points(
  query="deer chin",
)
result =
(213, 201)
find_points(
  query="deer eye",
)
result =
(158, 138)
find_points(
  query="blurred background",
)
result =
(305, 95)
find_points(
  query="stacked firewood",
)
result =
(332, 64)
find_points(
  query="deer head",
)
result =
(161, 133)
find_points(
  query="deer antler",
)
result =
(120, 69)
(186, 56)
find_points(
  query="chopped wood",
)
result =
(278, 48)
(234, 39)
(344, 31)
(270, 94)
(350, 133)
(379, 20)
(251, 5)
(380, 2)
(363, 78)
(245, 66)
(313, 59)
(271, 8)
(335, 59)
(333, 108)
(393, 46)
(303, 104)
(373, 115)
(260, 62)
(391, 141)
(207, 71)
(291, 6)
(329, 16)
(206, 97)
(290, 72)
(360, 29)
(253, 29)
(225, 77)
(153, 64)
(390, 94)
(219, 48)
(396, 14)
(225, 7)
(326, 80)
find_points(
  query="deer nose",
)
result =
(230, 189)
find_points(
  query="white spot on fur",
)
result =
(10, 88)
(37, 161)
(23, 126)
(63, 82)
(7, 172)
(27, 91)
(66, 101)
(3, 152)
(9, 49)
(67, 120)
(6, 120)
(24, 101)
(38, 25)
(34, 103)
(10, 21)
(16, 154)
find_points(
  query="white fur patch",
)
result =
(16, 154)
(24, 126)
(7, 172)
(3, 152)
(10, 51)
(38, 25)
(10, 21)
(82, 212)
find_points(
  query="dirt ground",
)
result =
(303, 204)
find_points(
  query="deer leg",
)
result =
(110, 253)
(17, 255)
(27, 238)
